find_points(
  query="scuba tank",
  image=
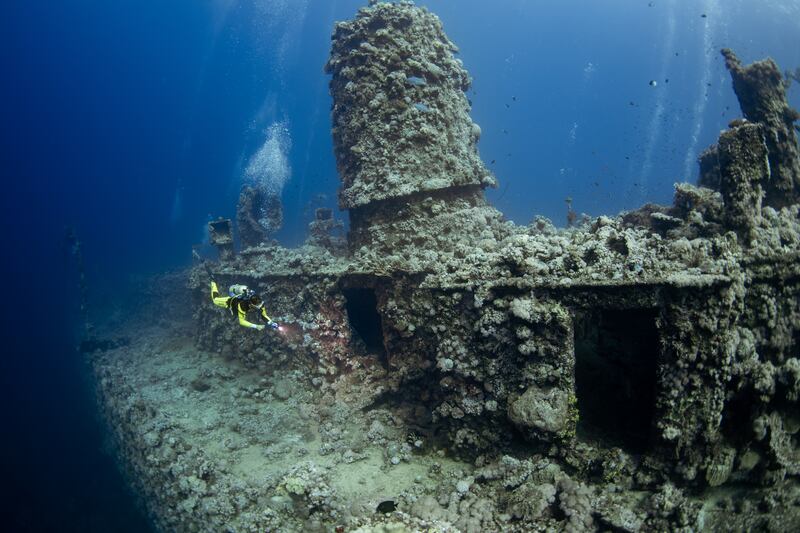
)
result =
(241, 292)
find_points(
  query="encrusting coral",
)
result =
(435, 377)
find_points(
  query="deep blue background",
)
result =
(133, 121)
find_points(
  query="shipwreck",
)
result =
(617, 375)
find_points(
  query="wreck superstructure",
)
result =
(590, 375)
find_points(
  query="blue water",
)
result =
(134, 121)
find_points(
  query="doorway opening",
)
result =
(362, 312)
(616, 360)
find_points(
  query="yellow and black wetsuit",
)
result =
(240, 307)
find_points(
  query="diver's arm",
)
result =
(243, 319)
(219, 301)
(271, 323)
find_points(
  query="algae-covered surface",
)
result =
(239, 450)
(213, 444)
(443, 369)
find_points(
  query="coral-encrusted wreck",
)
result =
(601, 376)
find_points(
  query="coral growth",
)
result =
(455, 372)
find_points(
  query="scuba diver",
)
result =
(242, 300)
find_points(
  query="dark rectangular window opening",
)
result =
(362, 311)
(616, 359)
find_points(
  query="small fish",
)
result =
(666, 80)
(507, 106)
(386, 507)
(505, 131)
(514, 98)
(653, 83)
(493, 161)
(703, 16)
